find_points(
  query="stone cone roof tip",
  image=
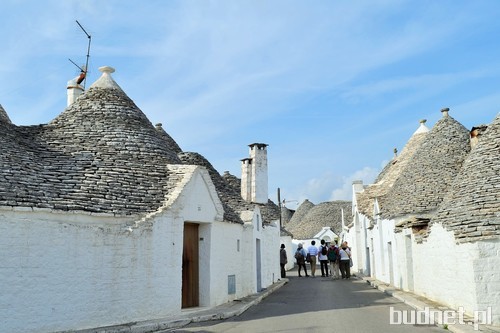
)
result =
(169, 141)
(3, 116)
(422, 128)
(105, 81)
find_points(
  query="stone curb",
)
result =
(419, 304)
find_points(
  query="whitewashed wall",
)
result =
(465, 275)
(62, 272)
(457, 275)
(68, 271)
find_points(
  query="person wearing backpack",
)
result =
(333, 257)
(323, 258)
(300, 255)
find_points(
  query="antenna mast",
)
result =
(88, 52)
(84, 70)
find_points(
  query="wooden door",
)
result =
(190, 266)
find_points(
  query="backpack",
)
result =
(324, 250)
(298, 255)
(332, 254)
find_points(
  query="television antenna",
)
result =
(83, 75)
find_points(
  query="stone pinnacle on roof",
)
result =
(422, 128)
(106, 81)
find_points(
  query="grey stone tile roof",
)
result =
(4, 118)
(169, 142)
(232, 181)
(270, 211)
(101, 155)
(421, 186)
(389, 174)
(284, 232)
(472, 207)
(325, 214)
(286, 215)
(300, 213)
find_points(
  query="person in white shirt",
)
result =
(323, 258)
(345, 261)
(313, 252)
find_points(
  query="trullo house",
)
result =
(430, 224)
(105, 221)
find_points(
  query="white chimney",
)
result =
(74, 89)
(254, 180)
(444, 111)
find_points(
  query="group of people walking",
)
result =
(334, 261)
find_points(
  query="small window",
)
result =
(231, 284)
(238, 245)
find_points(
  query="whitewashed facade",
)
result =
(74, 259)
(445, 250)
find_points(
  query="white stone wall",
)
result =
(74, 271)
(241, 260)
(465, 274)
(486, 268)
(69, 271)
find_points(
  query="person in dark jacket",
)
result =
(283, 260)
(300, 255)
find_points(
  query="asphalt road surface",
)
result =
(319, 305)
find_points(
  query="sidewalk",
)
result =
(420, 303)
(193, 315)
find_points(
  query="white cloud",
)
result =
(344, 192)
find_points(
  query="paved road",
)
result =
(317, 305)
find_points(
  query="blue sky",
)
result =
(332, 86)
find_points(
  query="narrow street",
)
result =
(317, 305)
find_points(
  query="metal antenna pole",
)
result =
(76, 65)
(279, 205)
(88, 53)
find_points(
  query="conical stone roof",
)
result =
(421, 186)
(101, 154)
(385, 180)
(300, 213)
(286, 215)
(325, 214)
(472, 207)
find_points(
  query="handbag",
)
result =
(308, 258)
(350, 262)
